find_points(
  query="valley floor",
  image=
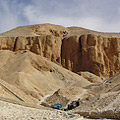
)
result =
(10, 111)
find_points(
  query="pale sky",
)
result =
(99, 15)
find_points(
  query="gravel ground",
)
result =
(9, 111)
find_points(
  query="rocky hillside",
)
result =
(32, 77)
(104, 101)
(75, 48)
(33, 61)
(67, 95)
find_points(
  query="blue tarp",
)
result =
(56, 106)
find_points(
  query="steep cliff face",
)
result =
(98, 53)
(70, 53)
(47, 46)
(44, 39)
(102, 55)
(92, 53)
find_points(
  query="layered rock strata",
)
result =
(96, 54)
(73, 48)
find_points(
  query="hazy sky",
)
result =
(100, 15)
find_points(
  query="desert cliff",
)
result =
(74, 49)
(53, 64)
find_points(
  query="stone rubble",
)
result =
(11, 111)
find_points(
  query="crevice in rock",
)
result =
(15, 43)
(80, 54)
(80, 43)
(61, 50)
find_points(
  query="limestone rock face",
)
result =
(93, 53)
(98, 53)
(44, 40)
(101, 55)
(46, 46)
(70, 54)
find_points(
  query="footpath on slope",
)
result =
(10, 91)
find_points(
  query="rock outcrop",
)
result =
(97, 53)
(102, 55)
(44, 40)
(37, 30)
(64, 96)
(90, 77)
(70, 53)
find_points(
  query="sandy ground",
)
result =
(24, 76)
(9, 111)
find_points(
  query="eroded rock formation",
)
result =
(95, 53)
(30, 76)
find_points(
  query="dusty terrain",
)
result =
(71, 93)
(104, 101)
(9, 111)
(54, 64)
(32, 77)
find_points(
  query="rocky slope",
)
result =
(104, 101)
(71, 93)
(29, 73)
(32, 77)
